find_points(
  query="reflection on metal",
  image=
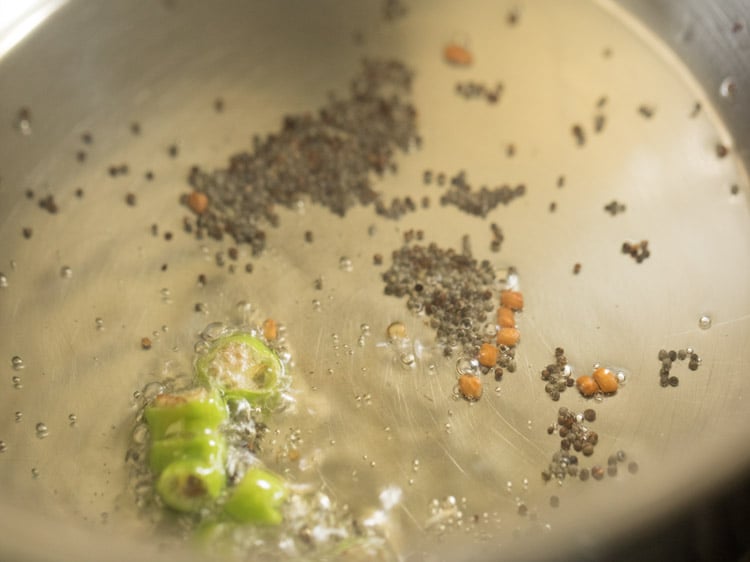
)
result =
(19, 18)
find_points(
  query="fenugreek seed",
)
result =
(589, 415)
(457, 55)
(588, 449)
(487, 355)
(583, 474)
(508, 337)
(198, 202)
(511, 299)
(146, 343)
(506, 317)
(270, 329)
(470, 387)
(396, 330)
(606, 380)
(597, 472)
(632, 467)
(587, 385)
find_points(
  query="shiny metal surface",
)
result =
(100, 66)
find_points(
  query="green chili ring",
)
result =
(209, 447)
(243, 367)
(189, 485)
(190, 412)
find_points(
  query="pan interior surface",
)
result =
(592, 112)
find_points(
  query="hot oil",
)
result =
(373, 415)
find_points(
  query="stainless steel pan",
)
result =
(89, 282)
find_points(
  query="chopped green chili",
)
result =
(210, 447)
(187, 453)
(257, 498)
(183, 414)
(189, 485)
(242, 366)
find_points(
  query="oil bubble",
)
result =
(213, 331)
(3, 281)
(17, 363)
(17, 382)
(407, 359)
(152, 390)
(467, 366)
(66, 272)
(41, 430)
(704, 322)
(201, 347)
(345, 264)
(140, 434)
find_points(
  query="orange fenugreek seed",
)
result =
(606, 380)
(198, 202)
(506, 318)
(270, 329)
(587, 385)
(511, 299)
(487, 355)
(508, 337)
(470, 387)
(458, 55)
